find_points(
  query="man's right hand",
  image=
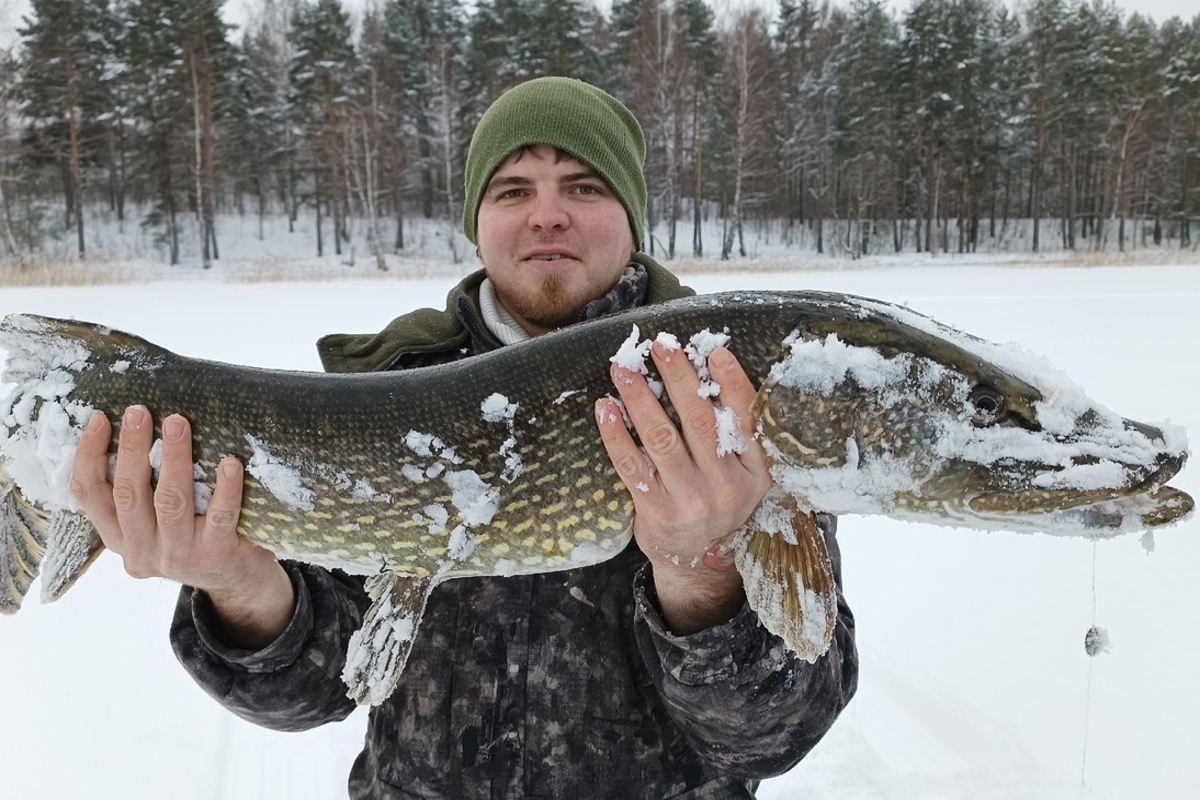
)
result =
(158, 534)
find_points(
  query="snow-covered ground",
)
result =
(975, 683)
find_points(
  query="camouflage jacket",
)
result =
(561, 685)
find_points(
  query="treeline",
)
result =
(928, 131)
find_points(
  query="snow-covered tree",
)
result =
(66, 43)
(323, 65)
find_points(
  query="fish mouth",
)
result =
(1162, 505)
(1143, 503)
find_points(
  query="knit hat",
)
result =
(573, 116)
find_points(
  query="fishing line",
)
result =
(1093, 645)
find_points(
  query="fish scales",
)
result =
(338, 431)
(493, 465)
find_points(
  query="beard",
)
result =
(551, 305)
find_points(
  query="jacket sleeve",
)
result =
(748, 705)
(295, 682)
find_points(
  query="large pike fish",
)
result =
(494, 466)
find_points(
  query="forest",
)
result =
(868, 131)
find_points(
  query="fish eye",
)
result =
(990, 405)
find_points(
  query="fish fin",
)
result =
(789, 580)
(23, 531)
(71, 547)
(379, 650)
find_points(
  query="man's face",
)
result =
(552, 236)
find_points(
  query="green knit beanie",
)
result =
(573, 116)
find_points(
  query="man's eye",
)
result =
(509, 194)
(587, 188)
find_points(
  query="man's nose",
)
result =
(549, 211)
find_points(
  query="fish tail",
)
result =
(39, 345)
(40, 420)
(59, 545)
(23, 531)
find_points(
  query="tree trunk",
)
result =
(698, 185)
(76, 170)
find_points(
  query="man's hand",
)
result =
(158, 534)
(688, 500)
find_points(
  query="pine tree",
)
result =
(258, 126)
(425, 43)
(701, 57)
(323, 64)
(1005, 61)
(808, 141)
(864, 137)
(208, 66)
(178, 78)
(1181, 87)
(9, 163)
(558, 39)
(796, 28)
(63, 88)
(1045, 21)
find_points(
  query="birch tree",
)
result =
(748, 77)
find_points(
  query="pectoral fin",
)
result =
(379, 650)
(787, 574)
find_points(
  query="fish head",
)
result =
(878, 410)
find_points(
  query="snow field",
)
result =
(974, 684)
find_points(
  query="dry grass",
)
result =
(1140, 257)
(42, 270)
(394, 267)
(802, 263)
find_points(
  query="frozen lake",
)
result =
(974, 684)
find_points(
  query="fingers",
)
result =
(199, 551)
(631, 464)
(667, 447)
(737, 391)
(738, 394)
(89, 480)
(697, 420)
(155, 529)
(174, 497)
(225, 508)
(706, 432)
(132, 495)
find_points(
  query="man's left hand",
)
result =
(688, 500)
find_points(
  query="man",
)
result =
(645, 676)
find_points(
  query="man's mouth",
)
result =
(549, 256)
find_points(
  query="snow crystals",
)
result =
(632, 354)
(279, 477)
